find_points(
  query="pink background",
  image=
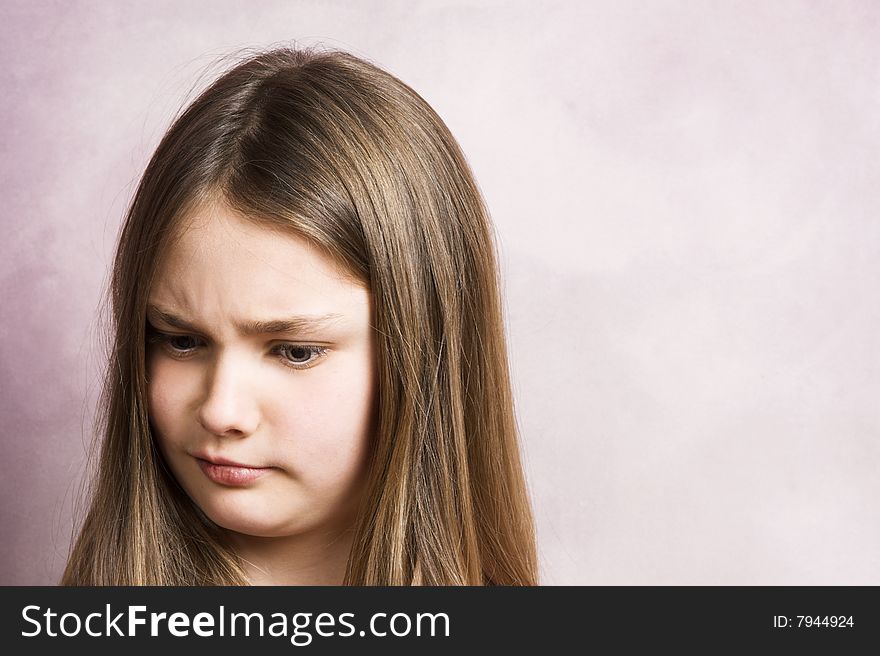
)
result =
(687, 197)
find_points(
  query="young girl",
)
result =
(309, 379)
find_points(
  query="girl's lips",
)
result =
(232, 475)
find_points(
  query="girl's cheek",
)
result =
(164, 397)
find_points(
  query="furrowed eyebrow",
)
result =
(299, 323)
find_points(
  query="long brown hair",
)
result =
(342, 153)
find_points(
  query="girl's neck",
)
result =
(312, 559)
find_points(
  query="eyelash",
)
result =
(165, 339)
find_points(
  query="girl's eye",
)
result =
(297, 356)
(182, 343)
(300, 356)
(177, 345)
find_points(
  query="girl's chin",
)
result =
(248, 524)
(250, 530)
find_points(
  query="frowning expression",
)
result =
(260, 354)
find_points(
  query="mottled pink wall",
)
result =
(687, 197)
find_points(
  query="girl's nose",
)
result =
(229, 407)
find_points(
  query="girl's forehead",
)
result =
(221, 239)
(224, 264)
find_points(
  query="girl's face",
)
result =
(260, 354)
